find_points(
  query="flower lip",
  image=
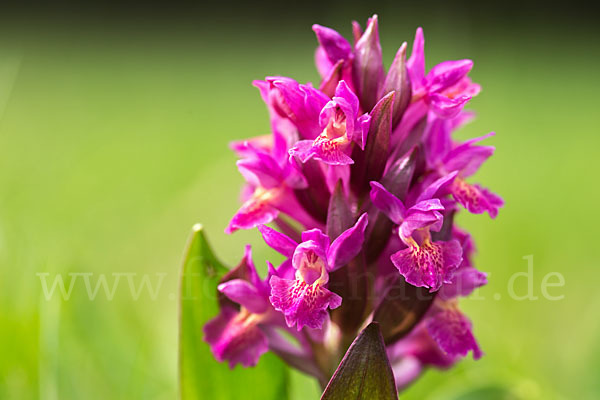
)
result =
(476, 199)
(428, 264)
(301, 303)
(235, 337)
(452, 330)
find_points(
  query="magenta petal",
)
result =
(389, 204)
(418, 220)
(420, 345)
(293, 176)
(476, 199)
(344, 94)
(427, 205)
(300, 103)
(261, 170)
(446, 107)
(304, 150)
(467, 158)
(302, 304)
(406, 371)
(232, 339)
(324, 66)
(452, 331)
(416, 63)
(447, 74)
(245, 294)
(465, 280)
(437, 187)
(430, 264)
(252, 146)
(330, 153)
(317, 236)
(423, 214)
(346, 101)
(286, 270)
(254, 212)
(438, 139)
(346, 246)
(334, 45)
(278, 241)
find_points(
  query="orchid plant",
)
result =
(360, 180)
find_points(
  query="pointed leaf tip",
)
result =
(370, 164)
(397, 80)
(368, 69)
(365, 371)
(197, 227)
(200, 376)
(200, 271)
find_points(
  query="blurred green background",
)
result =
(113, 142)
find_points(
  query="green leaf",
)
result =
(200, 375)
(364, 372)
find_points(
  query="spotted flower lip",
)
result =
(423, 263)
(304, 299)
(452, 330)
(466, 158)
(234, 335)
(410, 356)
(445, 334)
(341, 126)
(429, 264)
(465, 280)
